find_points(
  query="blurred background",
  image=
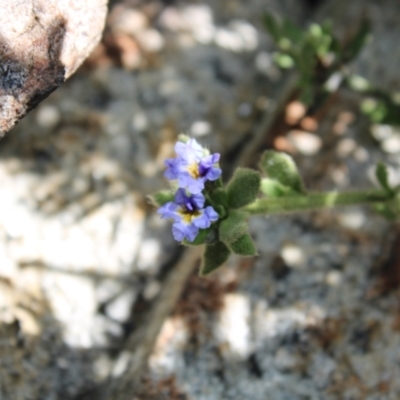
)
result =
(84, 257)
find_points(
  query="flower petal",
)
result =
(213, 174)
(211, 214)
(173, 168)
(181, 231)
(204, 219)
(178, 232)
(198, 200)
(193, 185)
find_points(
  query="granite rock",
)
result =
(41, 44)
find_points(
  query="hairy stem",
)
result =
(313, 201)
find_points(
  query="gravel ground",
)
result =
(82, 255)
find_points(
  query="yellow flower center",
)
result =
(187, 216)
(193, 170)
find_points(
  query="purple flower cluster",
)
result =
(188, 214)
(192, 167)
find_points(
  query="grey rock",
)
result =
(41, 44)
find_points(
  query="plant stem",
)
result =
(315, 200)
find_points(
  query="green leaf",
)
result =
(219, 197)
(315, 30)
(391, 207)
(160, 198)
(358, 83)
(385, 211)
(376, 110)
(243, 187)
(219, 200)
(281, 167)
(335, 46)
(382, 108)
(244, 246)
(221, 211)
(272, 26)
(214, 256)
(323, 46)
(306, 59)
(233, 227)
(285, 44)
(291, 31)
(273, 188)
(357, 42)
(327, 27)
(307, 94)
(382, 175)
(283, 60)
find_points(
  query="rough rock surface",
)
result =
(42, 42)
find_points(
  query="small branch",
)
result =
(140, 345)
(263, 130)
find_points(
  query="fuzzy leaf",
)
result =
(281, 167)
(272, 188)
(219, 197)
(233, 227)
(161, 198)
(244, 246)
(382, 175)
(214, 256)
(221, 211)
(243, 187)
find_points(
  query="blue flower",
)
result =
(193, 166)
(188, 214)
